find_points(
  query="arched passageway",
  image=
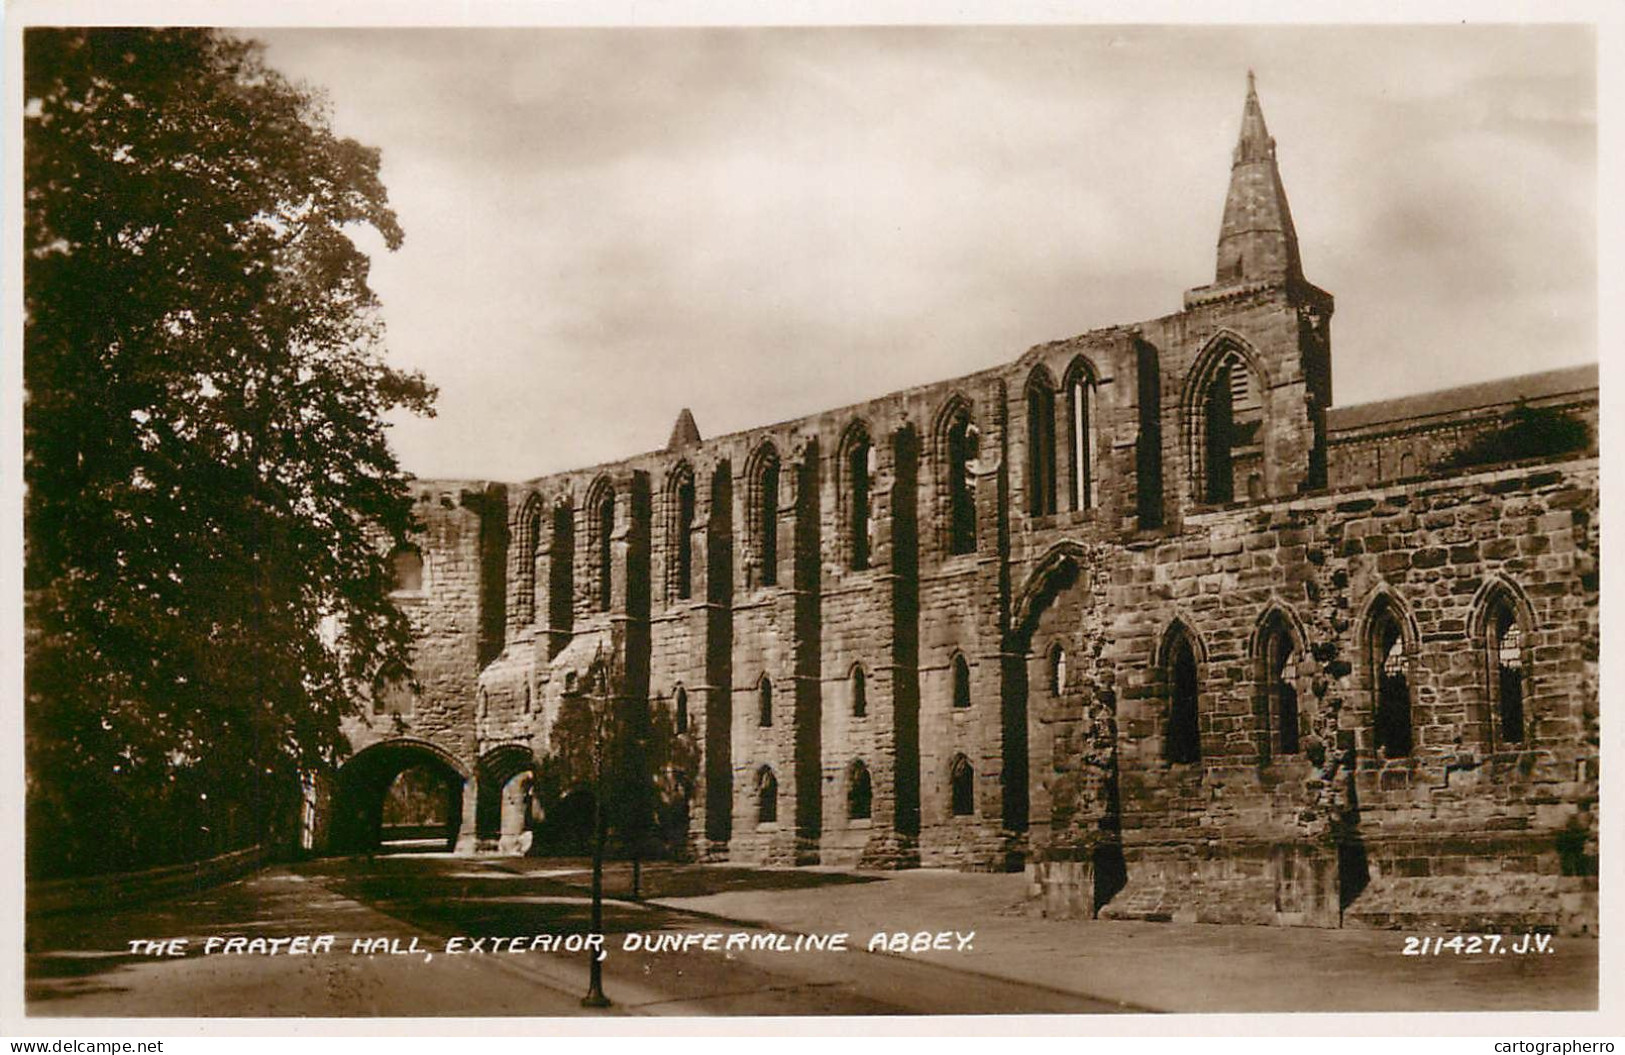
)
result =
(400, 795)
(502, 812)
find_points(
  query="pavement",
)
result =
(989, 954)
(1178, 967)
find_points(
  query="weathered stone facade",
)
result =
(1130, 612)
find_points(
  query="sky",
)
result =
(604, 226)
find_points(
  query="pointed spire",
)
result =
(1257, 242)
(684, 433)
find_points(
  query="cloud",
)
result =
(606, 225)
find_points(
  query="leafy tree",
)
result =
(210, 495)
(1523, 432)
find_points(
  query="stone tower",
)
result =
(1253, 348)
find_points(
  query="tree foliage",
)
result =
(209, 489)
(1523, 432)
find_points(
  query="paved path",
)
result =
(1156, 966)
(81, 965)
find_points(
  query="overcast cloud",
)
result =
(604, 226)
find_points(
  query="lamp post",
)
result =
(597, 696)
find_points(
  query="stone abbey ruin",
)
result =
(1141, 612)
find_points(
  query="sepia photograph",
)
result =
(607, 520)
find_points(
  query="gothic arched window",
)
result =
(527, 550)
(860, 692)
(858, 464)
(603, 547)
(1387, 660)
(1148, 445)
(962, 786)
(560, 579)
(680, 702)
(1057, 670)
(1183, 741)
(1504, 644)
(767, 796)
(764, 699)
(1040, 444)
(1277, 659)
(961, 675)
(960, 447)
(859, 792)
(764, 484)
(1081, 425)
(680, 534)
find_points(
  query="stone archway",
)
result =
(398, 795)
(502, 813)
(1061, 730)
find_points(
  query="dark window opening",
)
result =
(561, 555)
(1507, 645)
(684, 530)
(1393, 717)
(858, 467)
(1184, 738)
(962, 786)
(604, 550)
(1218, 423)
(961, 486)
(767, 797)
(770, 523)
(1282, 694)
(1040, 448)
(682, 709)
(1148, 446)
(860, 693)
(859, 792)
(961, 682)
(764, 693)
(1081, 428)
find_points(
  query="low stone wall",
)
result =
(124, 888)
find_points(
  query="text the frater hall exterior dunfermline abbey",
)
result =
(1141, 611)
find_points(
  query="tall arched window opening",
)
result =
(859, 475)
(1280, 693)
(560, 558)
(604, 548)
(1040, 445)
(764, 700)
(1393, 691)
(961, 451)
(1148, 446)
(683, 536)
(767, 796)
(765, 493)
(961, 671)
(680, 704)
(1218, 420)
(1080, 417)
(1183, 742)
(1507, 671)
(860, 692)
(859, 792)
(1057, 670)
(962, 786)
(526, 552)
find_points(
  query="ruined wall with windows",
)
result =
(1124, 612)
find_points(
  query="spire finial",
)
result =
(1256, 239)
